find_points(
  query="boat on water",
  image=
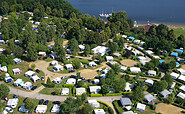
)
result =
(105, 15)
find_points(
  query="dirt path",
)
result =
(128, 62)
(168, 109)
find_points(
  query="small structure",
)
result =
(57, 80)
(71, 81)
(65, 91)
(131, 38)
(103, 76)
(113, 63)
(16, 71)
(37, 23)
(51, 47)
(53, 63)
(177, 64)
(141, 43)
(126, 103)
(137, 41)
(35, 78)
(135, 69)
(1, 50)
(149, 98)
(96, 81)
(3, 68)
(69, 67)
(18, 82)
(124, 36)
(128, 87)
(80, 91)
(94, 103)
(151, 73)
(109, 58)
(30, 74)
(55, 109)
(117, 54)
(149, 82)
(94, 89)
(164, 93)
(181, 71)
(82, 48)
(180, 51)
(28, 85)
(140, 107)
(141, 58)
(123, 68)
(149, 52)
(99, 111)
(181, 77)
(42, 54)
(105, 71)
(92, 64)
(128, 112)
(181, 95)
(8, 79)
(41, 109)
(174, 75)
(53, 55)
(17, 61)
(174, 54)
(173, 84)
(2, 42)
(12, 102)
(16, 42)
(156, 57)
(58, 67)
(23, 109)
(102, 50)
(182, 88)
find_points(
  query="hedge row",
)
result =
(127, 93)
(178, 105)
(96, 95)
(68, 85)
(10, 72)
(116, 106)
(109, 108)
(112, 94)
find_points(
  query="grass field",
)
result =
(179, 30)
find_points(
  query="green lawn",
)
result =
(35, 101)
(179, 31)
(48, 59)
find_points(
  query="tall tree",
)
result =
(32, 52)
(73, 45)
(48, 10)
(105, 89)
(160, 86)
(4, 91)
(138, 94)
(4, 7)
(87, 50)
(60, 13)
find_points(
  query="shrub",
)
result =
(11, 72)
(103, 103)
(84, 62)
(113, 94)
(127, 93)
(116, 105)
(110, 110)
(96, 95)
(68, 85)
(51, 85)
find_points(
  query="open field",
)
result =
(179, 30)
(128, 62)
(168, 109)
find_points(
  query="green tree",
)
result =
(171, 98)
(86, 109)
(54, 12)
(4, 7)
(4, 91)
(119, 85)
(76, 63)
(111, 74)
(32, 52)
(105, 89)
(84, 97)
(29, 104)
(87, 50)
(10, 59)
(160, 86)
(60, 28)
(73, 44)
(80, 83)
(60, 13)
(78, 75)
(33, 66)
(168, 79)
(48, 10)
(116, 68)
(138, 94)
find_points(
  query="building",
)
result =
(181, 95)
(149, 52)
(128, 87)
(117, 54)
(18, 82)
(8, 79)
(102, 50)
(16, 71)
(149, 82)
(55, 109)
(136, 41)
(65, 91)
(1, 50)
(135, 69)
(182, 78)
(141, 58)
(58, 67)
(128, 112)
(51, 47)
(149, 98)
(181, 71)
(123, 68)
(2, 42)
(94, 103)
(53, 63)
(105, 71)
(30, 74)
(182, 88)
(96, 81)
(180, 51)
(42, 54)
(125, 102)
(165, 93)
(109, 58)
(12, 102)
(131, 38)
(173, 84)
(174, 75)
(103, 76)
(177, 64)
(94, 89)
(17, 61)
(111, 63)
(124, 36)
(35, 78)
(80, 91)
(152, 73)
(141, 43)
(41, 109)
(57, 80)
(69, 67)
(140, 107)
(3, 68)
(71, 81)
(27, 86)
(53, 55)
(99, 111)
(156, 57)
(174, 54)
(23, 109)
(82, 48)
(92, 64)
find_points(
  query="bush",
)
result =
(84, 62)
(96, 95)
(51, 85)
(113, 94)
(10, 72)
(68, 85)
(110, 110)
(153, 107)
(116, 105)
(103, 103)
(127, 93)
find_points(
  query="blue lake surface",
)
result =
(156, 11)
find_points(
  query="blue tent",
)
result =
(35, 29)
(161, 61)
(177, 64)
(131, 38)
(179, 50)
(174, 54)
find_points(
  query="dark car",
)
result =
(25, 99)
(34, 87)
(14, 96)
(64, 77)
(71, 71)
(56, 102)
(41, 101)
(97, 77)
(73, 76)
(45, 58)
(46, 102)
(89, 80)
(43, 77)
(82, 78)
(40, 58)
(37, 70)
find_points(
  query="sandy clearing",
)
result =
(128, 62)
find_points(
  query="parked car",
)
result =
(41, 101)
(85, 66)
(45, 58)
(73, 76)
(52, 70)
(97, 77)
(34, 87)
(64, 77)
(56, 102)
(8, 109)
(43, 77)
(40, 58)
(14, 96)
(46, 102)
(37, 70)
(89, 80)
(25, 99)
(82, 78)
(71, 71)
(99, 70)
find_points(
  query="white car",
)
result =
(8, 109)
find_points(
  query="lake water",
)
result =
(156, 11)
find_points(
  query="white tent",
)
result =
(41, 109)
(65, 91)
(80, 91)
(55, 108)
(71, 81)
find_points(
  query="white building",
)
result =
(105, 71)
(65, 91)
(35, 78)
(149, 98)
(149, 52)
(173, 84)
(71, 81)
(17, 61)
(141, 58)
(137, 41)
(23, 109)
(82, 47)
(149, 82)
(100, 50)
(109, 58)
(94, 89)
(182, 88)
(43, 54)
(3, 68)
(94, 103)
(18, 82)
(28, 85)
(181, 77)
(92, 64)
(135, 69)
(174, 75)
(165, 93)
(69, 66)
(140, 107)
(96, 81)
(12, 102)
(113, 63)
(55, 109)
(142, 43)
(53, 63)
(123, 68)
(152, 73)
(57, 80)
(30, 74)
(128, 87)
(80, 91)
(99, 111)
(116, 54)
(181, 95)
(124, 36)
(41, 109)
(58, 67)
(16, 71)
(182, 71)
